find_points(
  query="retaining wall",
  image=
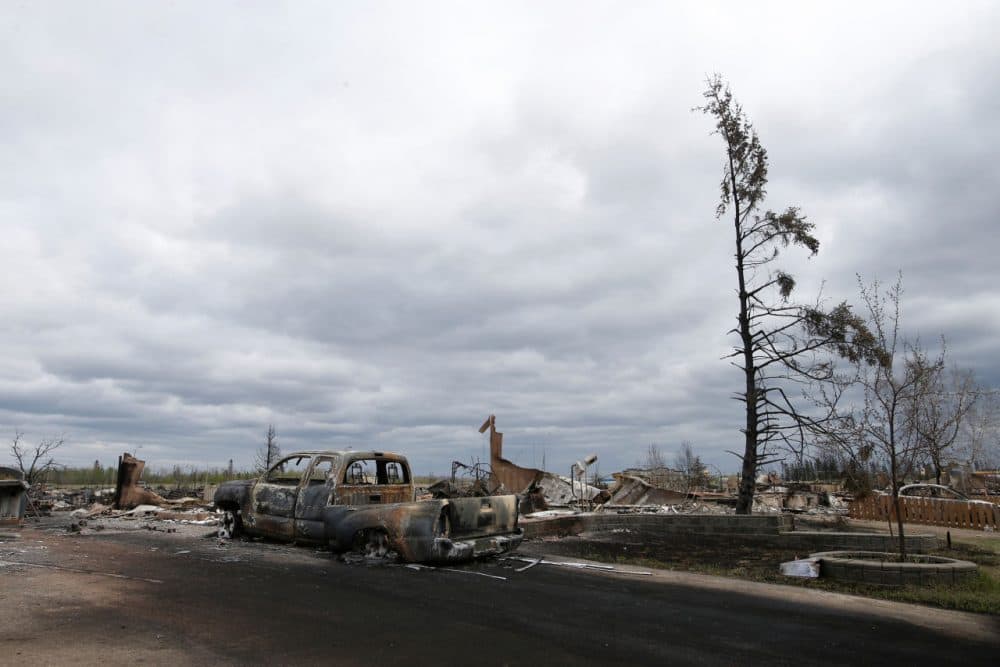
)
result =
(682, 531)
(660, 524)
(823, 541)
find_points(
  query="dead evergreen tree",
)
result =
(780, 343)
(35, 463)
(269, 454)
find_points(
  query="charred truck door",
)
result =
(273, 498)
(314, 495)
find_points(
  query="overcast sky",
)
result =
(374, 224)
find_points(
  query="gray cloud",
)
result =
(376, 225)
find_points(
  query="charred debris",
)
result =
(541, 494)
(635, 490)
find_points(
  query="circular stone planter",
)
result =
(883, 568)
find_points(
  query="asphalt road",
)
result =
(181, 598)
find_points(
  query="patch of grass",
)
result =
(980, 594)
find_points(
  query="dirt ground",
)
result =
(127, 595)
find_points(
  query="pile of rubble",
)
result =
(634, 491)
(545, 494)
(773, 495)
(127, 503)
(100, 517)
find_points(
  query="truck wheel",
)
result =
(232, 524)
(442, 527)
(372, 543)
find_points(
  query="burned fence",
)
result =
(973, 514)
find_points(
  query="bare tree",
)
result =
(980, 443)
(656, 468)
(35, 463)
(878, 406)
(269, 453)
(692, 470)
(945, 401)
(779, 342)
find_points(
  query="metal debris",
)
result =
(805, 567)
(576, 565)
(633, 490)
(529, 565)
(418, 567)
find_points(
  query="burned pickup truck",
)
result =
(365, 501)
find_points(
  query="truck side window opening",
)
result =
(288, 472)
(321, 470)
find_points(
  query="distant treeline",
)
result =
(178, 476)
(826, 467)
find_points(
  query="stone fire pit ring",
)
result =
(878, 567)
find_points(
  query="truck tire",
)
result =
(232, 524)
(442, 527)
(373, 543)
